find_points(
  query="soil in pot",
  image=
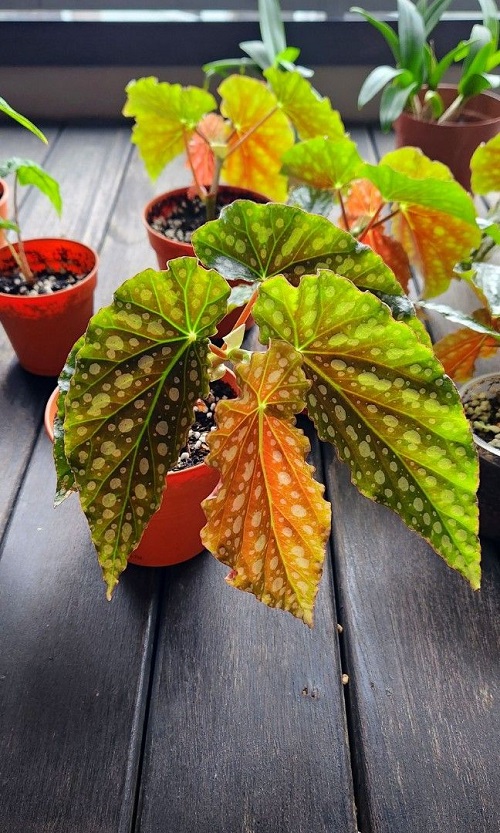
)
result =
(43, 323)
(481, 401)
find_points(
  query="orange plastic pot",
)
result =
(43, 328)
(173, 533)
(167, 249)
(453, 143)
(4, 195)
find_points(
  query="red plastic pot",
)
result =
(43, 328)
(167, 249)
(453, 143)
(173, 533)
(4, 195)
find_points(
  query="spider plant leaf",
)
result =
(165, 117)
(381, 397)
(256, 162)
(385, 30)
(392, 103)
(129, 406)
(433, 13)
(411, 33)
(311, 114)
(271, 26)
(253, 242)
(376, 81)
(268, 520)
(258, 52)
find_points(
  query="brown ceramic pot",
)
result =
(167, 249)
(43, 328)
(453, 143)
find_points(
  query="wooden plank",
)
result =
(81, 159)
(422, 654)
(73, 670)
(247, 727)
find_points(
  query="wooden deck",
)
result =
(184, 706)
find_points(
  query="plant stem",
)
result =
(247, 309)
(21, 259)
(218, 351)
(211, 197)
(252, 130)
(202, 193)
(453, 111)
(371, 225)
(342, 208)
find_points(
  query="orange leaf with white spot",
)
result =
(268, 520)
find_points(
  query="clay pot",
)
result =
(489, 461)
(167, 249)
(173, 533)
(43, 328)
(4, 194)
(453, 143)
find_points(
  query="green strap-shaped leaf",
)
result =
(324, 163)
(165, 118)
(255, 242)
(380, 396)
(30, 173)
(130, 403)
(311, 114)
(9, 111)
(459, 317)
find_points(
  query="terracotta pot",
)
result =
(4, 195)
(173, 533)
(453, 143)
(489, 461)
(167, 249)
(43, 328)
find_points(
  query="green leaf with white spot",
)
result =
(381, 397)
(330, 164)
(255, 242)
(65, 477)
(129, 406)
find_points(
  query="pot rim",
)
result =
(51, 411)
(469, 387)
(32, 243)
(486, 94)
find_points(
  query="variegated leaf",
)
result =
(459, 351)
(268, 520)
(165, 118)
(254, 242)
(485, 167)
(252, 110)
(324, 163)
(380, 396)
(129, 406)
(311, 114)
(436, 224)
(65, 477)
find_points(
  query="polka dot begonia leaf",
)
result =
(255, 242)
(129, 406)
(459, 351)
(485, 167)
(436, 223)
(310, 114)
(65, 477)
(252, 111)
(381, 397)
(268, 520)
(323, 163)
(165, 118)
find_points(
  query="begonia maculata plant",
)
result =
(342, 341)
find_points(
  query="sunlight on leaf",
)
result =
(321, 163)
(268, 520)
(130, 402)
(380, 396)
(485, 167)
(256, 163)
(311, 114)
(165, 118)
(255, 242)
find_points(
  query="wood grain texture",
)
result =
(423, 658)
(247, 728)
(73, 671)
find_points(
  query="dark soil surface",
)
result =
(13, 283)
(178, 217)
(197, 449)
(483, 413)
